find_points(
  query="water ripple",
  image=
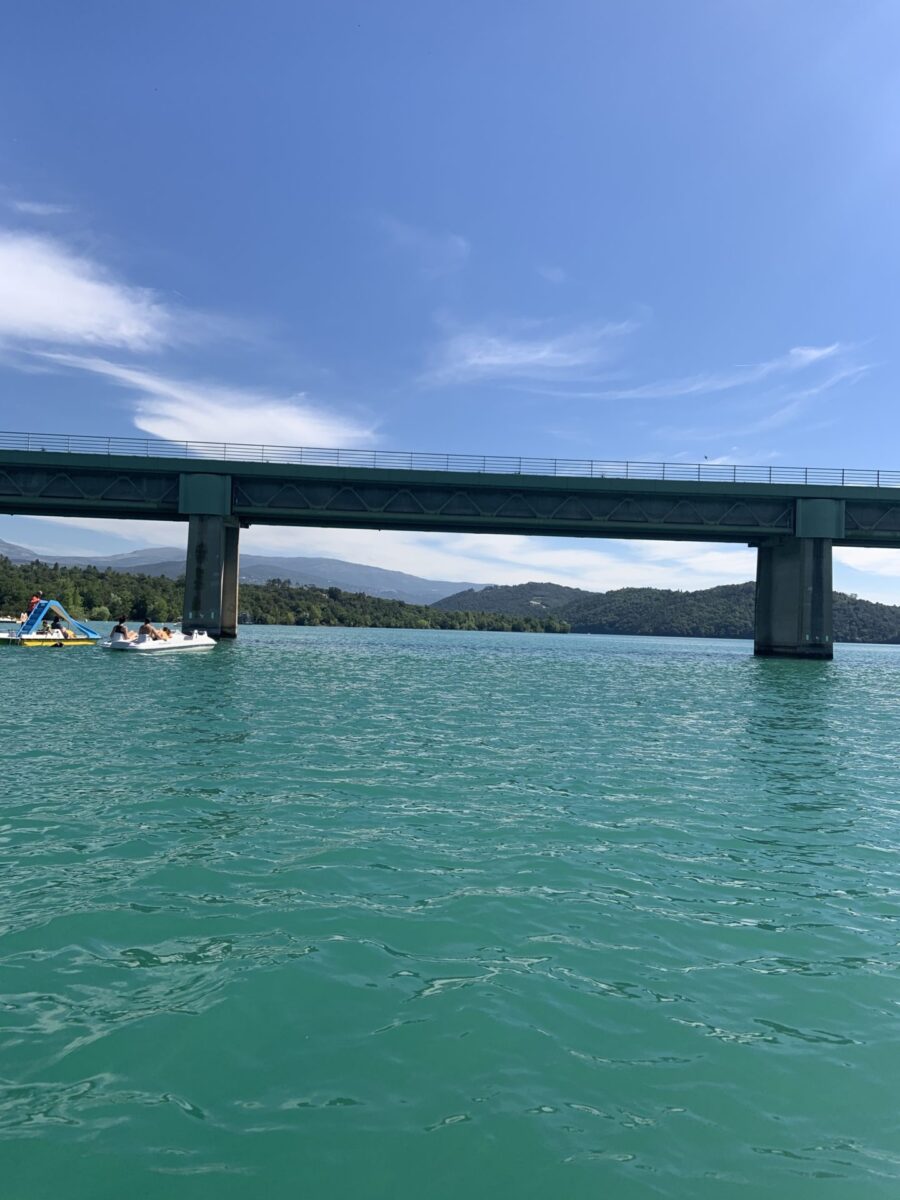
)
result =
(388, 911)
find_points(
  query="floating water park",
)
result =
(48, 624)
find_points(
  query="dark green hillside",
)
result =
(858, 620)
(716, 612)
(522, 599)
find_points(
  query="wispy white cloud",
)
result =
(196, 410)
(870, 561)
(872, 573)
(788, 404)
(707, 383)
(434, 254)
(56, 305)
(52, 295)
(36, 208)
(733, 456)
(525, 351)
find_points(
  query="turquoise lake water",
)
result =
(385, 913)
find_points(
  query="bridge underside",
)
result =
(793, 526)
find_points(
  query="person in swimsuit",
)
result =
(121, 630)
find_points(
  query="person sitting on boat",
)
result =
(147, 630)
(121, 632)
(165, 633)
(59, 630)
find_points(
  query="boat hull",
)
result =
(10, 639)
(176, 643)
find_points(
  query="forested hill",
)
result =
(522, 599)
(715, 612)
(100, 595)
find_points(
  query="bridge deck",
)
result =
(705, 502)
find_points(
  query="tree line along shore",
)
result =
(92, 594)
(96, 594)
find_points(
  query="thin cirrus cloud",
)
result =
(433, 253)
(798, 400)
(51, 294)
(789, 406)
(527, 351)
(190, 410)
(797, 359)
(37, 208)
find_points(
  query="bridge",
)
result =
(793, 516)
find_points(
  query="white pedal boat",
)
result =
(148, 645)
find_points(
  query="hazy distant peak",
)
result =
(258, 568)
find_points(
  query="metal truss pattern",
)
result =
(508, 508)
(59, 490)
(872, 518)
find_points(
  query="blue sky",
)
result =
(612, 230)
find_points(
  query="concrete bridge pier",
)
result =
(230, 584)
(211, 566)
(794, 585)
(793, 599)
(211, 576)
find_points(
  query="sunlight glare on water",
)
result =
(386, 913)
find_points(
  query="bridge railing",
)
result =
(705, 472)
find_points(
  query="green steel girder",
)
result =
(871, 518)
(559, 509)
(58, 491)
(63, 484)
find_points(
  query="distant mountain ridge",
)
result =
(256, 568)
